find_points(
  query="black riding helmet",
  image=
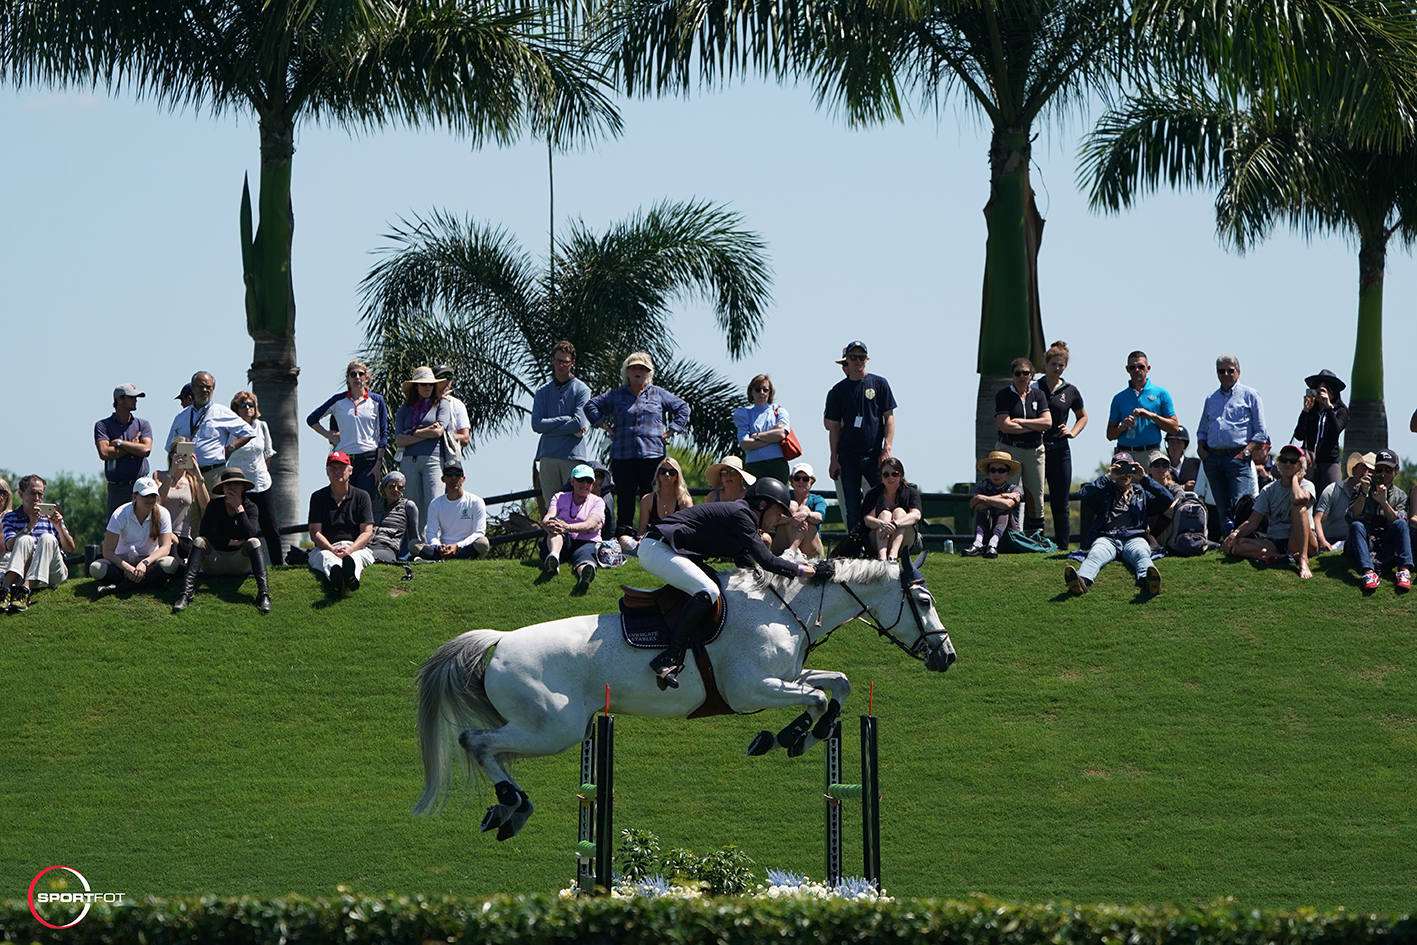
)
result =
(773, 491)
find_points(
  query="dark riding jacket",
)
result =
(720, 530)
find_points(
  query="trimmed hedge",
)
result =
(356, 920)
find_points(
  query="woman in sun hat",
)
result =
(641, 418)
(803, 531)
(1320, 423)
(137, 544)
(572, 527)
(729, 480)
(418, 433)
(228, 541)
(995, 502)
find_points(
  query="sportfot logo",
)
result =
(56, 904)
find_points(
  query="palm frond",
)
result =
(712, 398)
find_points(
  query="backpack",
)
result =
(1188, 536)
(1023, 543)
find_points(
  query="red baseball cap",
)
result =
(337, 457)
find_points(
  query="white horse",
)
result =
(532, 692)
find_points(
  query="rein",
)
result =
(866, 616)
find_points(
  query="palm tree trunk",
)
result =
(1367, 414)
(1011, 324)
(270, 311)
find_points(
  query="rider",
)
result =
(674, 549)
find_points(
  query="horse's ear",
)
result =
(910, 571)
(919, 563)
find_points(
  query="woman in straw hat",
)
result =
(728, 479)
(418, 433)
(995, 502)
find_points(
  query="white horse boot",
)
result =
(668, 664)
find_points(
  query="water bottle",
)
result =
(949, 546)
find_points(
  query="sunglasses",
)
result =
(1225, 370)
(1138, 367)
(801, 478)
(1001, 470)
(890, 475)
(1288, 460)
(244, 404)
(1023, 374)
(666, 471)
(762, 390)
(589, 482)
(856, 357)
(356, 374)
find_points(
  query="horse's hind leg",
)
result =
(513, 806)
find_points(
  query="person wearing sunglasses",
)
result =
(762, 426)
(891, 513)
(359, 426)
(1379, 534)
(1022, 414)
(1063, 398)
(1142, 413)
(1287, 503)
(802, 532)
(1230, 432)
(251, 460)
(729, 480)
(1121, 501)
(997, 503)
(396, 532)
(572, 528)
(124, 442)
(860, 422)
(670, 495)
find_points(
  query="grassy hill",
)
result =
(1245, 734)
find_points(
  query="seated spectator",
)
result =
(891, 513)
(670, 495)
(1286, 504)
(396, 532)
(1378, 535)
(1331, 511)
(1120, 500)
(137, 545)
(605, 488)
(573, 528)
(802, 532)
(1185, 470)
(182, 488)
(728, 480)
(341, 525)
(228, 541)
(7, 497)
(1161, 472)
(36, 540)
(457, 521)
(996, 504)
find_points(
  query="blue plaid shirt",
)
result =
(639, 422)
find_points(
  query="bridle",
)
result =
(921, 648)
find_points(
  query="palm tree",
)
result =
(1015, 62)
(465, 293)
(487, 70)
(1270, 164)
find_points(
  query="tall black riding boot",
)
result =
(189, 579)
(263, 590)
(667, 665)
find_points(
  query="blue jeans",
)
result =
(1230, 477)
(852, 471)
(1393, 547)
(1134, 552)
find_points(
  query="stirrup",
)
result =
(666, 671)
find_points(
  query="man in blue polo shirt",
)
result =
(1231, 429)
(124, 442)
(1142, 414)
(860, 422)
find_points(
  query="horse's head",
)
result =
(934, 639)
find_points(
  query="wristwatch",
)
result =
(1246, 452)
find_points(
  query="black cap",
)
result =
(1180, 434)
(453, 467)
(186, 391)
(1386, 458)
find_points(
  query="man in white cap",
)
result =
(860, 422)
(1331, 511)
(124, 442)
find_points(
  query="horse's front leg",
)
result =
(822, 692)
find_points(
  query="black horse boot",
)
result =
(667, 665)
(263, 590)
(189, 579)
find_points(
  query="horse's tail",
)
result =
(451, 699)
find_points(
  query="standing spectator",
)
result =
(762, 426)
(36, 541)
(419, 426)
(860, 422)
(1331, 511)
(124, 442)
(359, 426)
(802, 532)
(457, 520)
(573, 528)
(729, 480)
(396, 532)
(1230, 432)
(213, 429)
(1022, 415)
(892, 513)
(137, 545)
(184, 396)
(341, 525)
(462, 425)
(182, 488)
(1141, 413)
(1286, 503)
(642, 418)
(251, 460)
(1122, 500)
(1378, 532)
(1063, 398)
(558, 414)
(1320, 422)
(996, 503)
(228, 542)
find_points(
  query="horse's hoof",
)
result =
(823, 728)
(495, 817)
(762, 743)
(517, 820)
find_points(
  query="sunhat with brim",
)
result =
(232, 474)
(1326, 378)
(424, 375)
(1367, 459)
(714, 474)
(638, 359)
(999, 456)
(582, 472)
(804, 467)
(146, 486)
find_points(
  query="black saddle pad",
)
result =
(645, 627)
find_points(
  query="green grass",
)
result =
(1246, 734)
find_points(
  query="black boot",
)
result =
(667, 665)
(189, 579)
(263, 590)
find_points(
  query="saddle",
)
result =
(648, 618)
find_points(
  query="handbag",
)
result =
(1033, 542)
(791, 446)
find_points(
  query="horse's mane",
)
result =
(855, 570)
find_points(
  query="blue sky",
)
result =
(121, 263)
